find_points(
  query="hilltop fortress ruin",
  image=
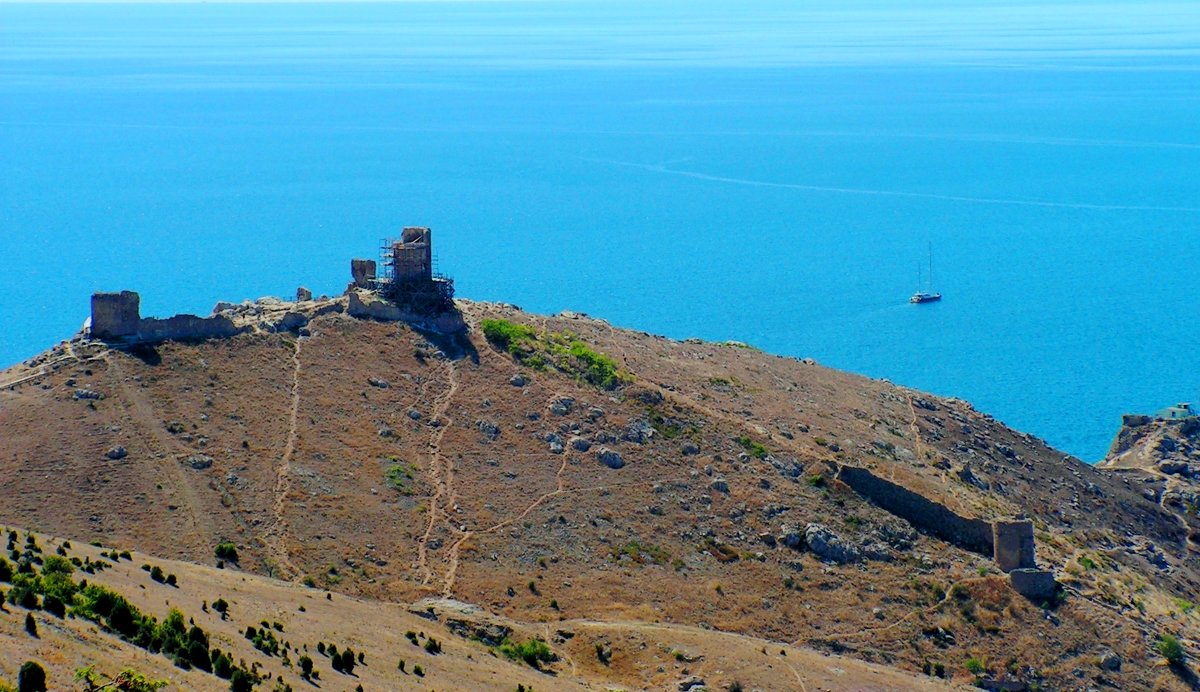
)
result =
(402, 286)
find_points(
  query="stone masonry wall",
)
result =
(974, 535)
(1014, 544)
(115, 316)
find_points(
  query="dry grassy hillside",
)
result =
(373, 460)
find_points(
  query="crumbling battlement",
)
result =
(1010, 543)
(116, 318)
(974, 535)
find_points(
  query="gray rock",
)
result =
(827, 545)
(116, 453)
(556, 447)
(581, 444)
(199, 461)
(595, 414)
(88, 394)
(562, 405)
(638, 432)
(378, 382)
(719, 485)
(693, 683)
(303, 294)
(1110, 661)
(1173, 467)
(610, 458)
(489, 428)
(517, 380)
(414, 414)
(791, 537)
(690, 450)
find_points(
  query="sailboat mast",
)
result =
(931, 266)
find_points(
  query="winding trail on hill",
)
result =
(149, 426)
(440, 472)
(278, 533)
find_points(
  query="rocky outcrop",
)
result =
(1171, 447)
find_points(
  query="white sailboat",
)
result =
(922, 296)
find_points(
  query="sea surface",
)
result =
(770, 172)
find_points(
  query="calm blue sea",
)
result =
(771, 172)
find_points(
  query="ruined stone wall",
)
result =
(362, 272)
(186, 328)
(115, 316)
(1014, 544)
(974, 535)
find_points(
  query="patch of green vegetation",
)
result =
(1169, 648)
(667, 428)
(816, 481)
(226, 551)
(1087, 562)
(1184, 605)
(642, 554)
(534, 652)
(561, 350)
(753, 448)
(399, 476)
(510, 336)
(975, 665)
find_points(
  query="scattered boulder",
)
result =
(827, 545)
(690, 449)
(791, 536)
(610, 458)
(88, 394)
(378, 382)
(517, 380)
(719, 485)
(562, 405)
(1110, 661)
(303, 294)
(581, 444)
(693, 683)
(414, 414)
(638, 432)
(489, 428)
(199, 461)
(117, 452)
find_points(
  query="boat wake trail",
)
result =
(696, 175)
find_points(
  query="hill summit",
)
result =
(643, 507)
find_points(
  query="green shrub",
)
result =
(31, 678)
(226, 551)
(433, 646)
(533, 652)
(975, 666)
(753, 448)
(598, 369)
(507, 335)
(1169, 648)
(418, 671)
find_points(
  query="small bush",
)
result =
(753, 448)
(31, 625)
(226, 551)
(433, 646)
(1169, 648)
(31, 678)
(507, 335)
(975, 666)
(533, 652)
(418, 671)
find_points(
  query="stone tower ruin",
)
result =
(406, 274)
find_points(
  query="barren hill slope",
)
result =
(699, 486)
